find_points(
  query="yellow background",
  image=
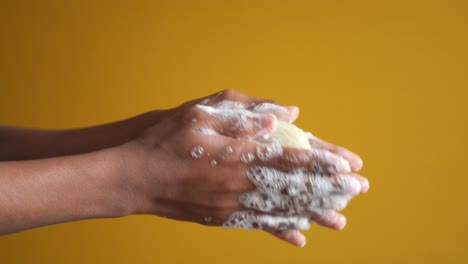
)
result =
(387, 79)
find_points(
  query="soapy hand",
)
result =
(201, 163)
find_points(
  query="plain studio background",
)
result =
(387, 79)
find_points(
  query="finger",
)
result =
(363, 181)
(234, 96)
(341, 184)
(330, 219)
(293, 236)
(284, 113)
(334, 202)
(230, 99)
(296, 193)
(354, 160)
(255, 220)
(238, 123)
(314, 161)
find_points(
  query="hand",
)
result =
(355, 163)
(329, 218)
(192, 166)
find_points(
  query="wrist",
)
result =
(128, 191)
(110, 195)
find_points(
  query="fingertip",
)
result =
(294, 112)
(304, 242)
(293, 237)
(365, 186)
(364, 182)
(269, 122)
(296, 238)
(355, 162)
(341, 222)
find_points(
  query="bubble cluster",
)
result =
(251, 220)
(266, 152)
(291, 196)
(247, 157)
(197, 152)
(235, 113)
(298, 192)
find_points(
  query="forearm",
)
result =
(49, 191)
(26, 144)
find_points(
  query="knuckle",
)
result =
(217, 205)
(222, 216)
(290, 157)
(269, 101)
(293, 159)
(228, 186)
(269, 104)
(194, 114)
(229, 94)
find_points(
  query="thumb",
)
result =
(250, 126)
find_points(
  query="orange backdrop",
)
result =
(387, 79)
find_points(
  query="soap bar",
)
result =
(288, 135)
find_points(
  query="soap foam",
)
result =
(250, 220)
(247, 158)
(287, 199)
(266, 152)
(206, 131)
(297, 192)
(267, 108)
(236, 113)
(282, 200)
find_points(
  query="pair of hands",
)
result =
(162, 175)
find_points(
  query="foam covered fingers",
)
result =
(255, 220)
(363, 181)
(240, 123)
(230, 99)
(284, 113)
(230, 123)
(330, 219)
(353, 159)
(315, 161)
(298, 192)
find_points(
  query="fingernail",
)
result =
(269, 122)
(341, 223)
(294, 111)
(303, 244)
(354, 160)
(300, 239)
(365, 186)
(342, 165)
(335, 163)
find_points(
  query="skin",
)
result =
(143, 165)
